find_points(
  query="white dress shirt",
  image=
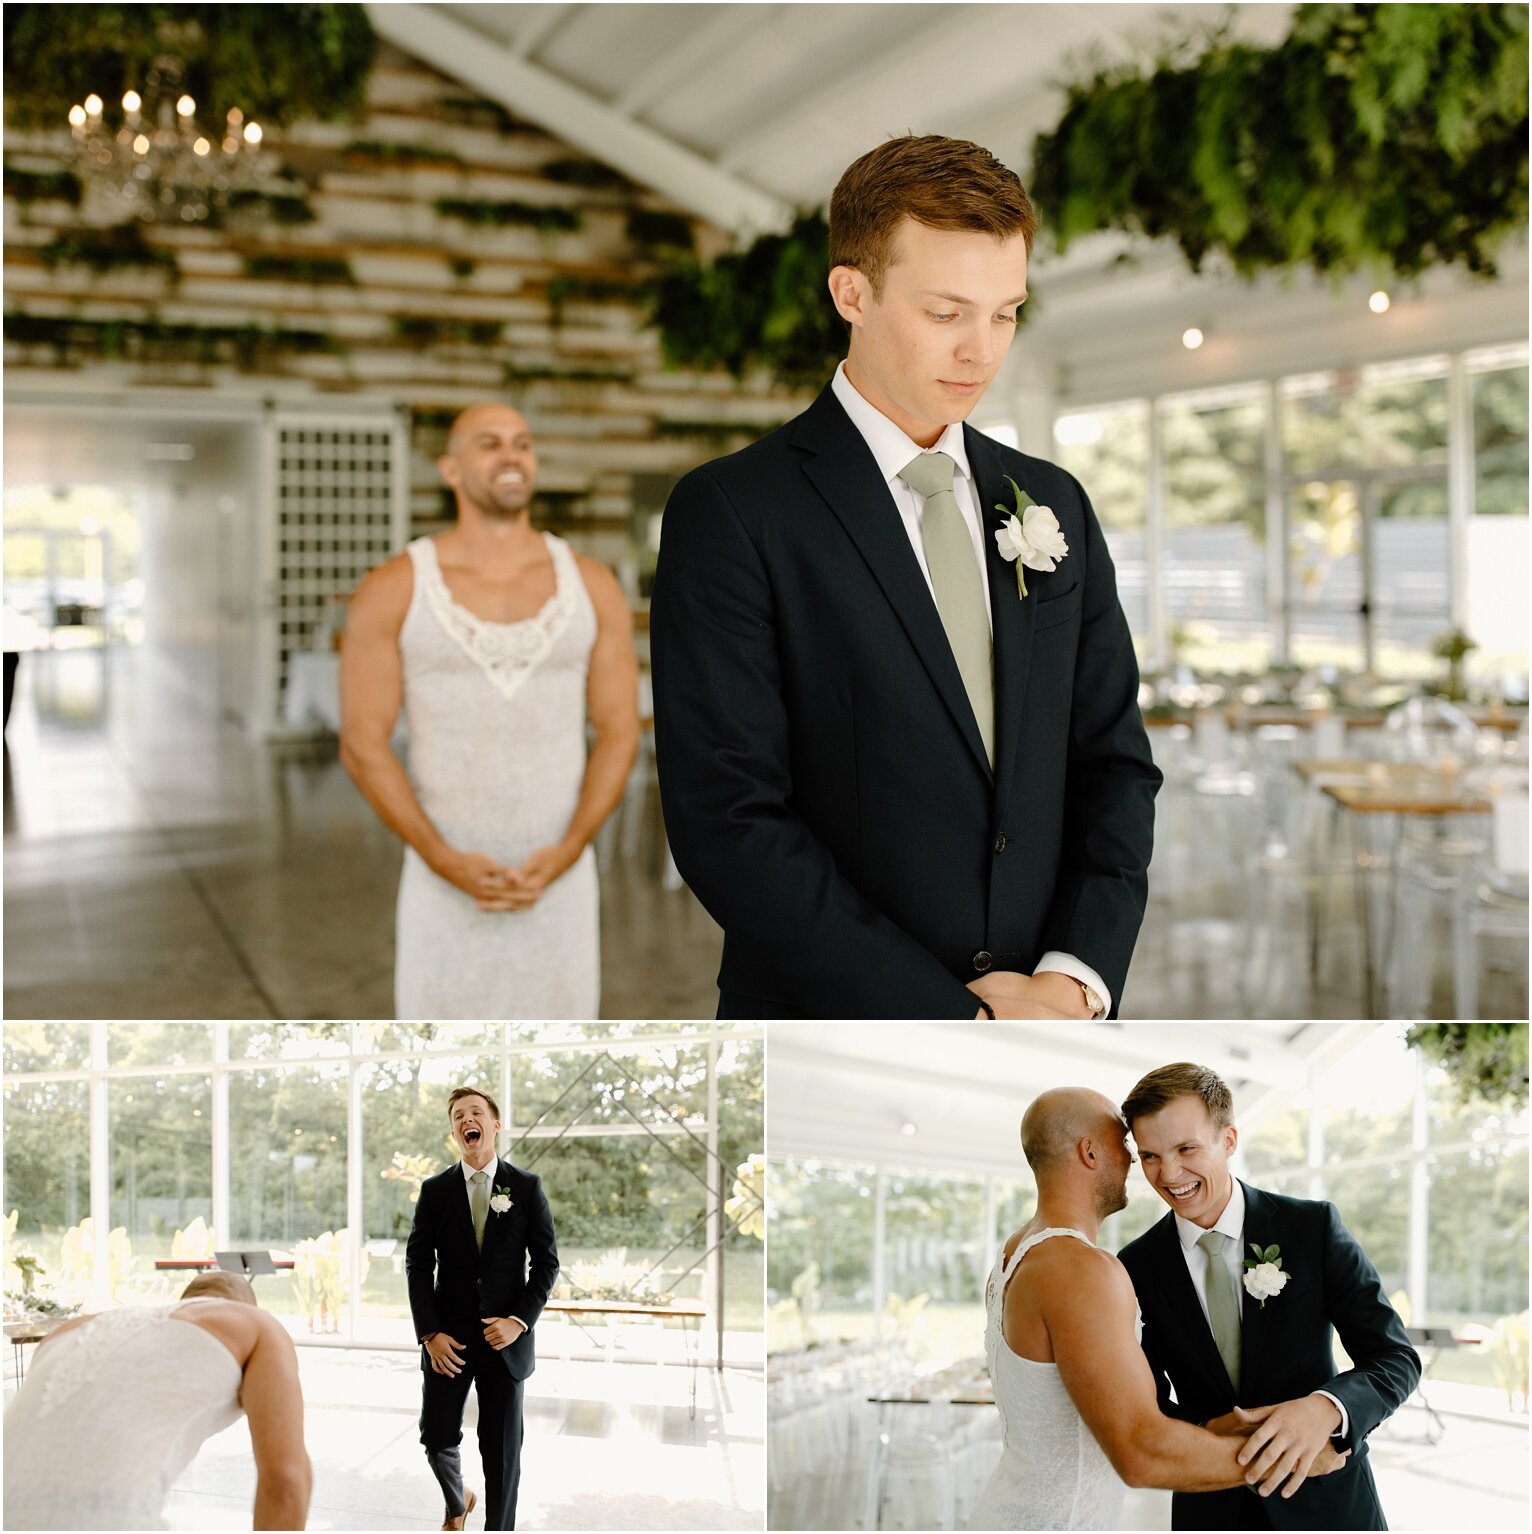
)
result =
(1231, 1223)
(893, 449)
(489, 1171)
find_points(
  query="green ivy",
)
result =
(396, 153)
(524, 373)
(249, 347)
(1485, 1061)
(653, 230)
(475, 112)
(765, 307)
(122, 248)
(590, 174)
(269, 207)
(317, 269)
(428, 330)
(1375, 137)
(29, 186)
(278, 63)
(486, 214)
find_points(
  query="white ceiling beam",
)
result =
(540, 28)
(840, 92)
(579, 119)
(728, 27)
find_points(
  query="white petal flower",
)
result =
(500, 1203)
(1034, 538)
(1264, 1281)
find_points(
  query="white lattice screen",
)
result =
(338, 505)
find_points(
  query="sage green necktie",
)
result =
(958, 585)
(479, 1202)
(1223, 1303)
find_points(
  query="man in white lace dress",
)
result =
(501, 644)
(1075, 1392)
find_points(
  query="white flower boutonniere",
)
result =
(1264, 1277)
(1031, 536)
(501, 1201)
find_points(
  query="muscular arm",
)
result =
(611, 702)
(273, 1402)
(371, 695)
(1088, 1307)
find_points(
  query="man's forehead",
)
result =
(491, 419)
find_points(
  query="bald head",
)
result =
(1058, 1120)
(216, 1284)
(490, 463)
(488, 417)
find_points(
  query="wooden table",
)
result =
(1368, 789)
(686, 1311)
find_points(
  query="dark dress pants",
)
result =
(500, 1427)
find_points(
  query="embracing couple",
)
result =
(1199, 1359)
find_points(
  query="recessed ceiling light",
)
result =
(906, 1128)
(169, 452)
(1379, 302)
(1191, 338)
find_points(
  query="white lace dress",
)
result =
(496, 715)
(109, 1416)
(1052, 1473)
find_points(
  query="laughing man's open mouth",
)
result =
(472, 1136)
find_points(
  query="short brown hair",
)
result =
(1183, 1079)
(219, 1284)
(943, 183)
(458, 1092)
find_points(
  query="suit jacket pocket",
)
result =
(1053, 610)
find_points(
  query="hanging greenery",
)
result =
(1485, 1061)
(252, 348)
(763, 307)
(278, 63)
(1388, 137)
(29, 186)
(488, 214)
(394, 153)
(318, 269)
(122, 248)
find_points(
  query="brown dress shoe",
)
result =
(470, 1500)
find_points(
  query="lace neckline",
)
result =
(507, 653)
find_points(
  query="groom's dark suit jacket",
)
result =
(452, 1283)
(1285, 1353)
(825, 787)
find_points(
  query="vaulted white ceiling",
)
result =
(848, 1091)
(743, 112)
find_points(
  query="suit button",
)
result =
(982, 960)
(1000, 844)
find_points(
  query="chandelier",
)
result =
(160, 163)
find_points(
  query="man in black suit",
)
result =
(1239, 1290)
(481, 1262)
(900, 757)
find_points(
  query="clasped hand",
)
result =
(499, 887)
(1285, 1443)
(448, 1354)
(1014, 995)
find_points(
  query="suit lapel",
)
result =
(1013, 618)
(1255, 1319)
(1181, 1301)
(846, 475)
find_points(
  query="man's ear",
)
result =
(1230, 1140)
(851, 293)
(446, 466)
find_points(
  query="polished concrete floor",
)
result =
(158, 864)
(608, 1446)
